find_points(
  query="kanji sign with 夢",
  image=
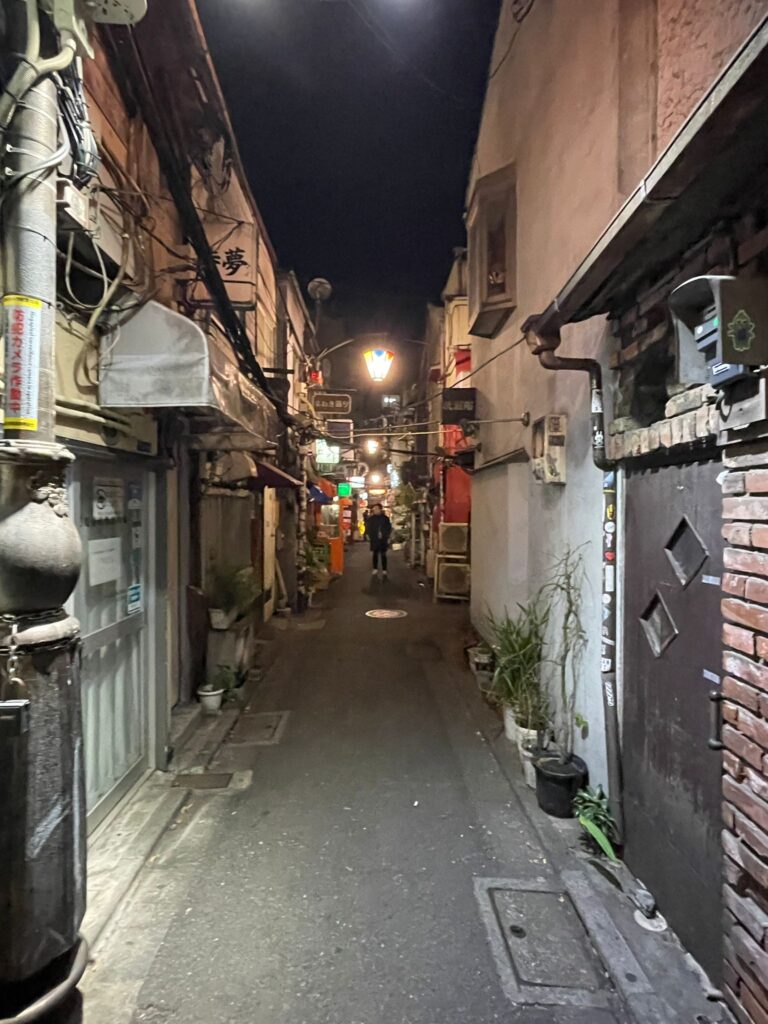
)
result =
(23, 327)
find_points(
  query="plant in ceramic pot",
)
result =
(518, 648)
(212, 694)
(231, 592)
(561, 774)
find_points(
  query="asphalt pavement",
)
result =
(364, 859)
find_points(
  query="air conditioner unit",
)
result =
(453, 539)
(453, 580)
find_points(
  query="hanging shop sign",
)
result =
(344, 490)
(459, 404)
(23, 319)
(327, 454)
(327, 404)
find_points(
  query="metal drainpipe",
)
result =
(547, 343)
(42, 806)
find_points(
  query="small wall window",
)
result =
(492, 228)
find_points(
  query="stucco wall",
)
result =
(696, 39)
(561, 132)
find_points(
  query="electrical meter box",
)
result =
(548, 460)
(721, 328)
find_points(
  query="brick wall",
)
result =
(745, 730)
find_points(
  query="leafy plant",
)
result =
(564, 589)
(407, 495)
(233, 588)
(594, 815)
(518, 647)
(225, 678)
(314, 566)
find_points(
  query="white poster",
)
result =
(108, 499)
(104, 557)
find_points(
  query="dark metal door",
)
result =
(672, 655)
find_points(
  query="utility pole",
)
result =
(42, 797)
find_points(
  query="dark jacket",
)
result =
(377, 531)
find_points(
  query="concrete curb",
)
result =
(641, 1002)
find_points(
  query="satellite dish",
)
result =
(319, 289)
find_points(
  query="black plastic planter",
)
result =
(558, 782)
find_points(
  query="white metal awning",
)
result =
(161, 359)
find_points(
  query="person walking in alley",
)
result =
(377, 531)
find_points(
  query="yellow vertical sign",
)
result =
(23, 317)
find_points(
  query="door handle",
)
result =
(716, 721)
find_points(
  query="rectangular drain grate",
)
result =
(203, 780)
(259, 729)
(543, 953)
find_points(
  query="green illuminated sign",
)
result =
(345, 490)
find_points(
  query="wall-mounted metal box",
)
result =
(548, 462)
(721, 328)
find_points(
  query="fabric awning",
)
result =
(161, 359)
(271, 476)
(316, 495)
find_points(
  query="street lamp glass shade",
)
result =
(378, 361)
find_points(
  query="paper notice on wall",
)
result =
(104, 561)
(108, 499)
(23, 319)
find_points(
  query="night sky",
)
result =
(356, 121)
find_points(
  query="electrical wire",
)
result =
(363, 12)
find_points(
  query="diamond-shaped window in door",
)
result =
(686, 552)
(658, 625)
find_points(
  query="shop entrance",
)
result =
(113, 508)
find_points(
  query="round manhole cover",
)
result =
(386, 613)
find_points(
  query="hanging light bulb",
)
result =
(378, 362)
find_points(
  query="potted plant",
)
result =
(315, 570)
(518, 648)
(561, 774)
(211, 694)
(231, 593)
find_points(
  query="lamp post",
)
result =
(378, 360)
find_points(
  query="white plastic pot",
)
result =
(221, 619)
(527, 739)
(529, 770)
(510, 723)
(211, 700)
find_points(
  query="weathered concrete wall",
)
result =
(696, 39)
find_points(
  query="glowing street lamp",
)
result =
(371, 445)
(375, 478)
(378, 362)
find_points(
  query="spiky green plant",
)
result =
(594, 815)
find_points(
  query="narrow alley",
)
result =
(371, 862)
(384, 512)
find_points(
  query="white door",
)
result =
(271, 509)
(110, 506)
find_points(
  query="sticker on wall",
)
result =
(108, 499)
(134, 601)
